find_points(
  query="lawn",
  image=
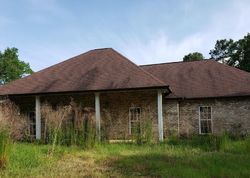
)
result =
(172, 159)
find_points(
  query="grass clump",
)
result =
(210, 143)
(5, 144)
(205, 142)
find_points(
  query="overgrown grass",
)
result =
(5, 144)
(182, 158)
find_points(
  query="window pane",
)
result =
(134, 113)
(134, 117)
(206, 126)
(205, 120)
(135, 127)
(138, 110)
(209, 115)
(205, 113)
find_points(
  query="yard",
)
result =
(175, 158)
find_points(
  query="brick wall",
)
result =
(225, 113)
(115, 111)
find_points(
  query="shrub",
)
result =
(4, 148)
(12, 120)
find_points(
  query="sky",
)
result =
(146, 31)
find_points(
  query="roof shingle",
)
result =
(201, 79)
(100, 69)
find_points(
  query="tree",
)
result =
(196, 56)
(233, 53)
(223, 49)
(11, 67)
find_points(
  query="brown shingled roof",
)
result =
(100, 69)
(202, 79)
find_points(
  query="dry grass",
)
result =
(13, 125)
(4, 148)
(12, 120)
(53, 121)
(69, 124)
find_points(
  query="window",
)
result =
(134, 119)
(32, 124)
(205, 120)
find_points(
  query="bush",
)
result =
(4, 148)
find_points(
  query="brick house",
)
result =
(182, 97)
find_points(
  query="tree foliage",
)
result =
(196, 56)
(233, 53)
(11, 67)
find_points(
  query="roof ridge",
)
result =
(138, 66)
(163, 63)
(65, 60)
(205, 60)
(234, 68)
(96, 49)
(74, 57)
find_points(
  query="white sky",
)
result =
(49, 31)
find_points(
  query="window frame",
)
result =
(211, 119)
(130, 121)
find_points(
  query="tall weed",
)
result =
(5, 143)
(144, 132)
(69, 125)
(54, 119)
(13, 120)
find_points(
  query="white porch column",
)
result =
(38, 118)
(160, 117)
(98, 115)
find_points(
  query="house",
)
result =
(182, 97)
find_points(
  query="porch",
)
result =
(115, 113)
